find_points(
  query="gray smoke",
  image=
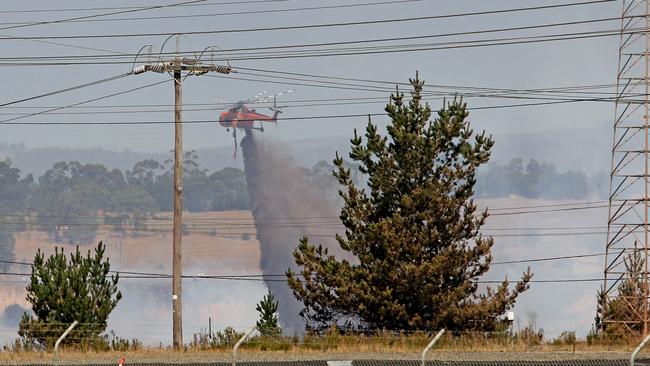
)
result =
(285, 208)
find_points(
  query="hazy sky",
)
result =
(537, 65)
(530, 66)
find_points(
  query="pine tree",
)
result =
(619, 316)
(413, 234)
(62, 291)
(267, 325)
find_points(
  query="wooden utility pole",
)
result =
(177, 251)
(176, 66)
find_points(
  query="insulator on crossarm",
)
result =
(198, 72)
(139, 70)
(188, 61)
(223, 69)
(159, 67)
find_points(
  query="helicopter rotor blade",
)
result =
(274, 96)
(261, 97)
(256, 97)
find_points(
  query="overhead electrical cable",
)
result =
(65, 90)
(206, 3)
(117, 12)
(256, 277)
(548, 259)
(512, 209)
(376, 89)
(451, 45)
(229, 231)
(12, 120)
(428, 86)
(528, 260)
(67, 45)
(441, 94)
(231, 13)
(440, 46)
(547, 210)
(462, 91)
(329, 25)
(261, 278)
(306, 102)
(578, 203)
(130, 56)
(218, 108)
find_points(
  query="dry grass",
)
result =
(338, 346)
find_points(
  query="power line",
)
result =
(329, 25)
(440, 46)
(262, 278)
(431, 47)
(378, 50)
(65, 20)
(581, 203)
(528, 260)
(429, 86)
(213, 121)
(549, 210)
(10, 120)
(287, 105)
(453, 89)
(65, 90)
(466, 92)
(328, 52)
(130, 56)
(548, 259)
(515, 209)
(231, 13)
(223, 227)
(271, 278)
(224, 232)
(212, 3)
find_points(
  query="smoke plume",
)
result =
(285, 208)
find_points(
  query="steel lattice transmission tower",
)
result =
(629, 201)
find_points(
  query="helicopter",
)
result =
(240, 116)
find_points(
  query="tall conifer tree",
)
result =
(413, 234)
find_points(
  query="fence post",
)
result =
(67, 331)
(239, 342)
(433, 341)
(638, 349)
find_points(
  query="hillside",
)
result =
(573, 149)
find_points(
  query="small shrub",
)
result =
(566, 338)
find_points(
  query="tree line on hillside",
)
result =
(535, 180)
(71, 200)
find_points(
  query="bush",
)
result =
(566, 338)
(62, 291)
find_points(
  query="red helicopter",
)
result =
(242, 117)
